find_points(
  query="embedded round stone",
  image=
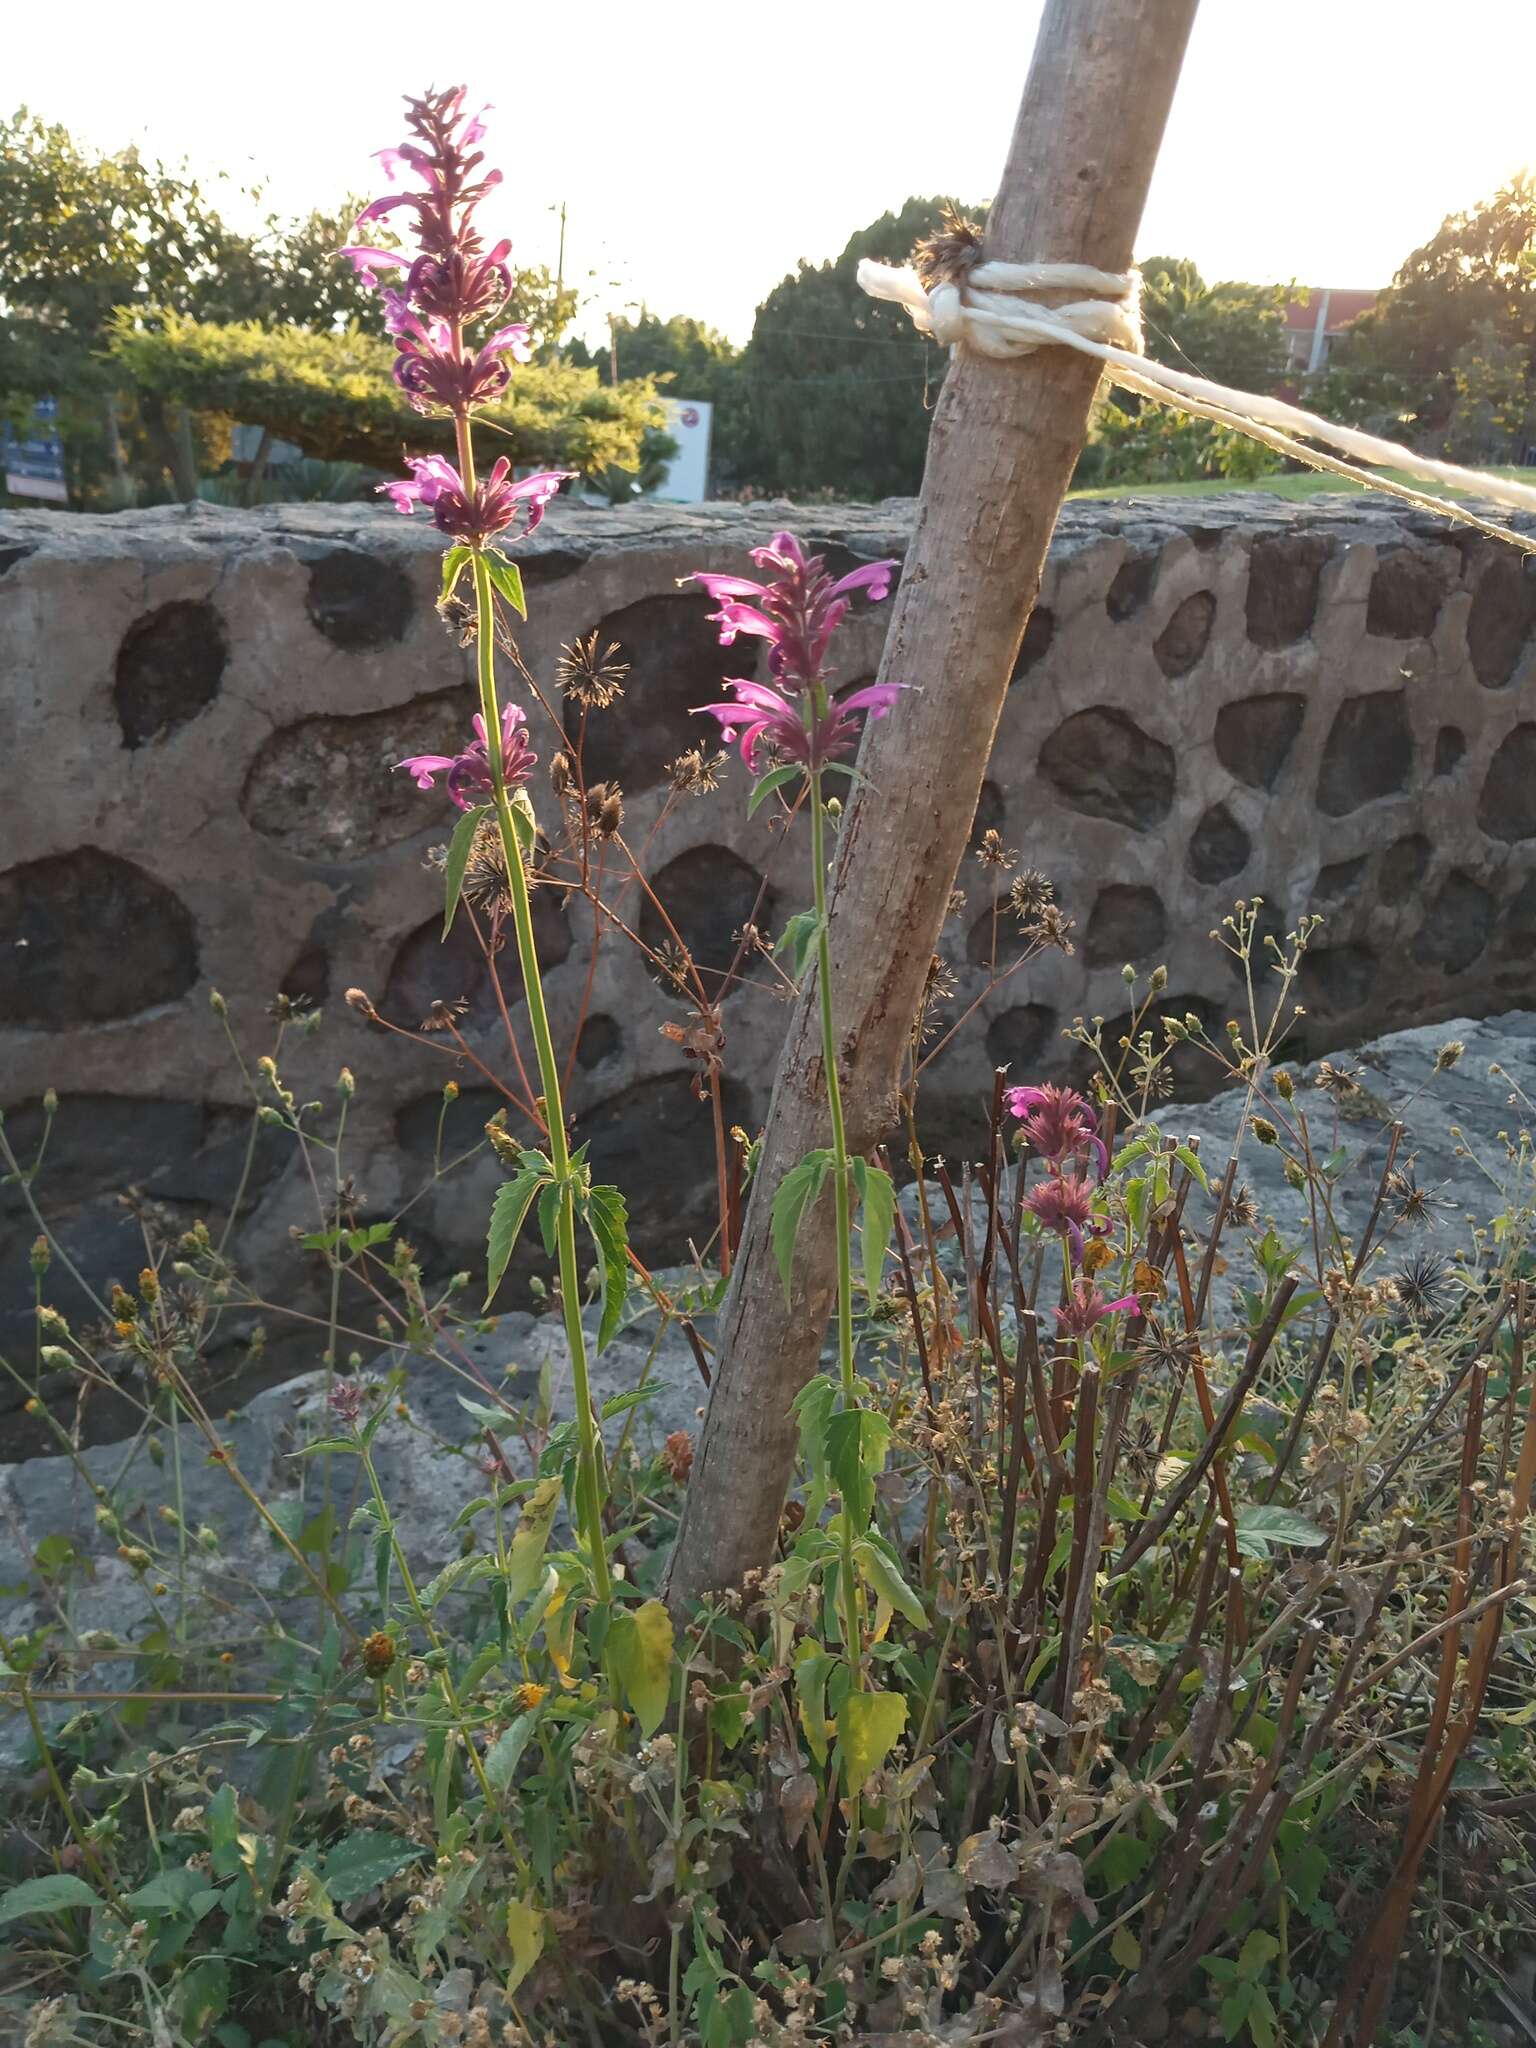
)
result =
(1128, 923)
(1450, 747)
(1186, 636)
(656, 1141)
(1507, 807)
(1457, 926)
(1402, 866)
(1021, 1039)
(169, 668)
(89, 937)
(1219, 848)
(1132, 585)
(329, 788)
(358, 600)
(1254, 736)
(600, 1040)
(1104, 765)
(1369, 752)
(1341, 880)
(1335, 980)
(1500, 621)
(1405, 597)
(430, 969)
(1284, 577)
(1039, 632)
(709, 894)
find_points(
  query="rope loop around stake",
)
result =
(991, 314)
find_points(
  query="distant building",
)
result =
(1314, 322)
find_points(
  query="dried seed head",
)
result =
(992, 853)
(950, 255)
(595, 679)
(378, 1653)
(695, 773)
(560, 774)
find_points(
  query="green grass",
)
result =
(1298, 484)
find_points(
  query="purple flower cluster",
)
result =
(493, 506)
(797, 611)
(450, 281)
(1063, 1128)
(467, 776)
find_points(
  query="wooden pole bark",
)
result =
(1004, 441)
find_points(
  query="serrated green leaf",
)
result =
(857, 1441)
(368, 1858)
(530, 1540)
(877, 1197)
(868, 1725)
(1190, 1160)
(506, 577)
(813, 1667)
(525, 1937)
(454, 564)
(53, 1894)
(549, 1218)
(1260, 1527)
(798, 936)
(639, 1651)
(796, 1192)
(505, 1753)
(883, 1578)
(776, 778)
(458, 1571)
(458, 859)
(508, 1213)
(608, 1220)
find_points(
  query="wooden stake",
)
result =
(1004, 442)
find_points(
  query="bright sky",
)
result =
(702, 147)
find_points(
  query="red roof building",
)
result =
(1315, 320)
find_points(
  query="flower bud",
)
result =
(217, 1004)
(1159, 980)
(1285, 1087)
(450, 1091)
(40, 1256)
(345, 1084)
(1264, 1130)
(50, 1103)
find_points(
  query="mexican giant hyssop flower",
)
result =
(797, 612)
(441, 297)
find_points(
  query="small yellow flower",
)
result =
(528, 1696)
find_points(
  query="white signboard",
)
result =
(687, 478)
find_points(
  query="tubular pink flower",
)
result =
(1059, 1124)
(791, 726)
(467, 776)
(1086, 1307)
(495, 506)
(1063, 1202)
(797, 612)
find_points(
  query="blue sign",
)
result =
(34, 467)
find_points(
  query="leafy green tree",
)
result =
(1232, 333)
(690, 358)
(835, 386)
(1396, 367)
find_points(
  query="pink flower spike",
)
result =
(1087, 1308)
(1063, 1203)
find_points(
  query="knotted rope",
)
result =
(991, 313)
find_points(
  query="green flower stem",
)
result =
(589, 1471)
(842, 1176)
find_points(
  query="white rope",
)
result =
(991, 314)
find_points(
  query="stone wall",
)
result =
(1334, 706)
